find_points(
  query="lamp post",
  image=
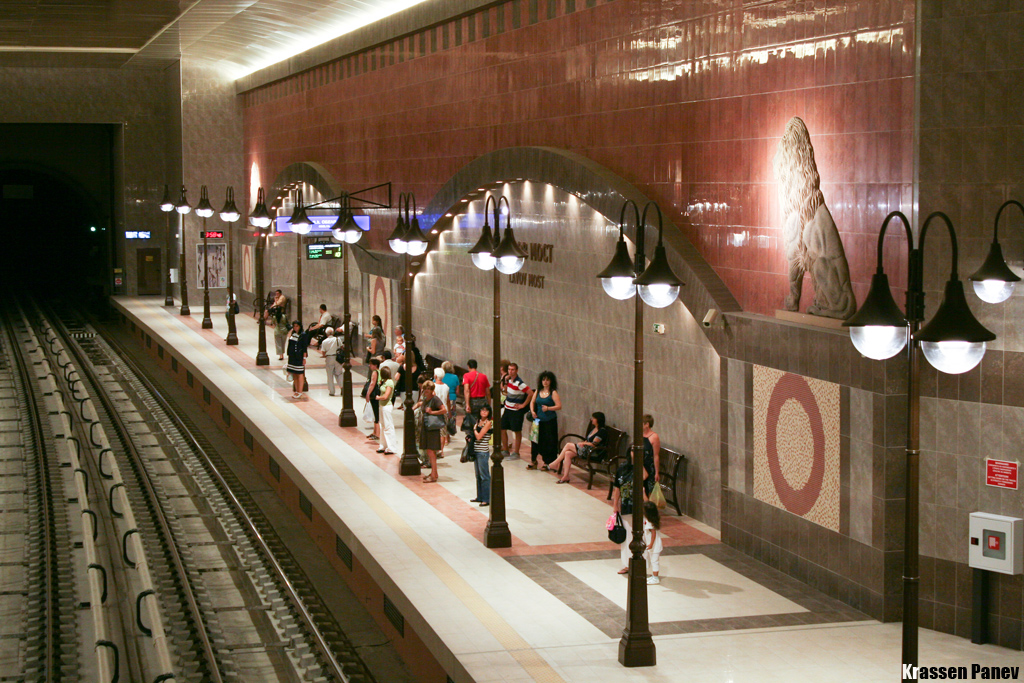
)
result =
(204, 210)
(301, 226)
(347, 232)
(229, 214)
(260, 219)
(657, 286)
(167, 206)
(502, 255)
(994, 281)
(407, 239)
(182, 208)
(953, 341)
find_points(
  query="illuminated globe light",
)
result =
(416, 247)
(166, 205)
(879, 342)
(301, 228)
(484, 261)
(659, 295)
(229, 216)
(183, 209)
(399, 246)
(509, 264)
(204, 209)
(619, 287)
(993, 291)
(953, 357)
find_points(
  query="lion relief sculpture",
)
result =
(809, 234)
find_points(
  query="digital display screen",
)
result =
(137, 235)
(320, 223)
(316, 252)
(211, 234)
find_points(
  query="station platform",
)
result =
(551, 608)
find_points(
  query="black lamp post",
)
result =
(204, 210)
(658, 287)
(502, 255)
(347, 232)
(183, 208)
(167, 206)
(229, 214)
(994, 281)
(260, 219)
(407, 239)
(953, 341)
(301, 226)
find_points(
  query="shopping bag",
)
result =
(535, 432)
(658, 497)
(368, 413)
(617, 534)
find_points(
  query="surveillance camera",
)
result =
(711, 317)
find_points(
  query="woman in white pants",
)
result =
(389, 442)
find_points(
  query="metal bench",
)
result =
(671, 467)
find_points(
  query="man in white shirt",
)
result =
(328, 349)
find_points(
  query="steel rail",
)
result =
(123, 433)
(318, 637)
(52, 649)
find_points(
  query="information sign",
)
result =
(212, 234)
(319, 251)
(1001, 473)
(137, 234)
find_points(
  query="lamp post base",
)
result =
(496, 533)
(185, 310)
(232, 338)
(347, 418)
(262, 358)
(636, 648)
(410, 464)
(207, 324)
(168, 300)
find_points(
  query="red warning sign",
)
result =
(1001, 473)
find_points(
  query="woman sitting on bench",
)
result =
(596, 435)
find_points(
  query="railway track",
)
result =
(142, 525)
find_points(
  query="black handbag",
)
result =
(468, 454)
(617, 534)
(433, 422)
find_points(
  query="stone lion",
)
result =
(809, 234)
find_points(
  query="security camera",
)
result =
(711, 317)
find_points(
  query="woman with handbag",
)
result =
(622, 504)
(434, 412)
(388, 441)
(482, 431)
(544, 407)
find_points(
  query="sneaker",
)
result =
(511, 456)
(653, 580)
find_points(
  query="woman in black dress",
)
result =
(544, 409)
(296, 358)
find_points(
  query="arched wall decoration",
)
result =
(796, 445)
(593, 184)
(308, 172)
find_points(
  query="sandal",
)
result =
(624, 570)
(429, 479)
(483, 505)
(531, 466)
(543, 468)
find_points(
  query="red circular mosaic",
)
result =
(798, 501)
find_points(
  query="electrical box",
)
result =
(996, 543)
(659, 328)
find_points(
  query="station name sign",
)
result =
(320, 223)
(539, 253)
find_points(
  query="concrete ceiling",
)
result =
(240, 36)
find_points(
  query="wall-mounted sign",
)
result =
(212, 234)
(1001, 473)
(320, 223)
(538, 253)
(322, 250)
(137, 234)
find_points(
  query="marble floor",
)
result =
(551, 607)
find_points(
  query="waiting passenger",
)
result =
(329, 352)
(452, 380)
(518, 396)
(596, 435)
(377, 340)
(297, 359)
(389, 442)
(482, 433)
(434, 413)
(545, 407)
(622, 502)
(474, 385)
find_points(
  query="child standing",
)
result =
(652, 539)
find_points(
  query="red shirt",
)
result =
(478, 383)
